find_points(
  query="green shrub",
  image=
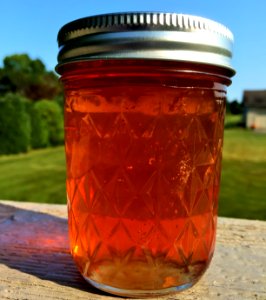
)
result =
(15, 126)
(39, 131)
(47, 124)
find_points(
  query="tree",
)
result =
(28, 77)
(47, 124)
(227, 106)
(15, 127)
(236, 108)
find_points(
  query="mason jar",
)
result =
(145, 101)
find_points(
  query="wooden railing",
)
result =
(35, 262)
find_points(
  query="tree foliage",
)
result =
(47, 124)
(25, 122)
(28, 77)
(236, 108)
(15, 127)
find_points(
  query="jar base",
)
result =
(138, 293)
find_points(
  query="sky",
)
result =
(31, 26)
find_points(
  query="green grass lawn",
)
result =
(40, 175)
(37, 176)
(243, 185)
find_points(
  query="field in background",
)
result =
(39, 176)
(243, 184)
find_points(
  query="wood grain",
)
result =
(35, 262)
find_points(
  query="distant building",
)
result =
(255, 109)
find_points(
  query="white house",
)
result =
(255, 109)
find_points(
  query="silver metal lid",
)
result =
(146, 35)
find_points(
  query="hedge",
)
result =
(25, 124)
(15, 126)
(47, 124)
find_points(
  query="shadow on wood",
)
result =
(37, 244)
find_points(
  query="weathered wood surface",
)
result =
(35, 262)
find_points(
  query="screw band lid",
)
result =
(146, 35)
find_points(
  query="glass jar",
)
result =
(144, 112)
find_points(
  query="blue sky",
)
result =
(31, 26)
